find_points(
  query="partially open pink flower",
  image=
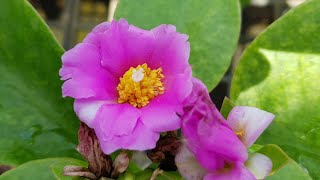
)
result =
(128, 83)
(215, 150)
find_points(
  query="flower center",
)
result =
(240, 133)
(139, 85)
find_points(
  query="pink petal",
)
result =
(222, 140)
(140, 139)
(207, 134)
(239, 172)
(160, 117)
(178, 86)
(101, 28)
(171, 51)
(160, 114)
(93, 36)
(124, 46)
(188, 166)
(209, 160)
(260, 165)
(251, 121)
(116, 120)
(84, 75)
(86, 109)
(195, 109)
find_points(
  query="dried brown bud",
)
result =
(166, 150)
(99, 163)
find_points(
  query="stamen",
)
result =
(140, 85)
(240, 134)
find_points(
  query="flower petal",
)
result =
(249, 120)
(206, 132)
(239, 172)
(93, 36)
(140, 139)
(124, 46)
(160, 114)
(260, 165)
(114, 120)
(86, 109)
(188, 166)
(171, 51)
(84, 75)
(209, 160)
(160, 117)
(222, 140)
(101, 28)
(178, 87)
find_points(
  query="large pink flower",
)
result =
(217, 149)
(128, 83)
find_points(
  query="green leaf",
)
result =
(226, 107)
(213, 28)
(51, 168)
(282, 166)
(254, 148)
(169, 175)
(278, 157)
(290, 171)
(245, 3)
(134, 168)
(280, 73)
(35, 121)
(127, 176)
(145, 174)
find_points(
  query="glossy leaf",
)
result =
(51, 168)
(226, 107)
(280, 73)
(35, 121)
(283, 167)
(213, 28)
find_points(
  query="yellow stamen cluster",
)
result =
(139, 92)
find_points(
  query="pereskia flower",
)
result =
(217, 149)
(128, 83)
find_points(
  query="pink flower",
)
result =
(128, 83)
(216, 148)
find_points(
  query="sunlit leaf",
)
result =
(51, 168)
(283, 167)
(280, 73)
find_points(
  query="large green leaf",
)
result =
(35, 122)
(280, 73)
(282, 166)
(213, 28)
(51, 168)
